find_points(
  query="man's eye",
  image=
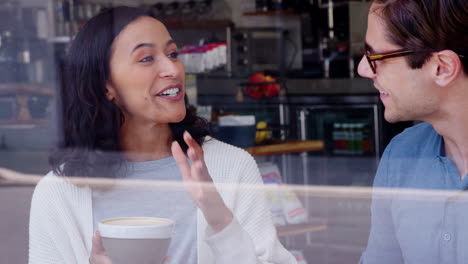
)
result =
(147, 59)
(173, 55)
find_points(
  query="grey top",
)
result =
(172, 203)
(425, 220)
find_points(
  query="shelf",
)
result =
(259, 83)
(60, 39)
(22, 124)
(288, 147)
(197, 24)
(24, 89)
(270, 13)
(334, 4)
(312, 225)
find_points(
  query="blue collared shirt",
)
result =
(423, 218)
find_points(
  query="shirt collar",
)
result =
(441, 146)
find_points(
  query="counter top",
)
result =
(230, 86)
(287, 147)
(312, 225)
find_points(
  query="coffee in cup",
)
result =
(136, 239)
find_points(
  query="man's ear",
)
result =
(110, 92)
(448, 67)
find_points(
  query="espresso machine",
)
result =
(333, 44)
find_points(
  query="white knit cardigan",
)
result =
(61, 220)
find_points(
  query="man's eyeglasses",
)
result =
(371, 58)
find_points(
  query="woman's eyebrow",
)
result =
(142, 45)
(169, 42)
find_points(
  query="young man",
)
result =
(416, 55)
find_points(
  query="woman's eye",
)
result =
(174, 55)
(147, 59)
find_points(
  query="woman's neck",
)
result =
(146, 142)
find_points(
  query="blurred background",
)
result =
(276, 77)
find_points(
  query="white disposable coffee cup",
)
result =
(136, 239)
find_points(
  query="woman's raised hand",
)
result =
(199, 184)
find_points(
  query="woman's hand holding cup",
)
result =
(131, 240)
(98, 253)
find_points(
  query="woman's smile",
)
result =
(172, 93)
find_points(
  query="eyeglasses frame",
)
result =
(392, 54)
(382, 56)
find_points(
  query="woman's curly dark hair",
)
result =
(90, 123)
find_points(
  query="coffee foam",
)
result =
(135, 221)
(136, 228)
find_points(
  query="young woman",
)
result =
(123, 92)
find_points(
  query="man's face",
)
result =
(406, 93)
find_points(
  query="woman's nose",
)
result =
(168, 68)
(364, 69)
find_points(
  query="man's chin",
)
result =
(393, 118)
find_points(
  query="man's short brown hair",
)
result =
(426, 24)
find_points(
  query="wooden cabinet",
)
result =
(24, 104)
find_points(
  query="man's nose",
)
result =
(364, 68)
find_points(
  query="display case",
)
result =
(348, 130)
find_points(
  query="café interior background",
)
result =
(313, 123)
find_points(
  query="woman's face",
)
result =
(147, 80)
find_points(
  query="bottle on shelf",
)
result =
(352, 139)
(348, 138)
(366, 139)
(358, 137)
(339, 140)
